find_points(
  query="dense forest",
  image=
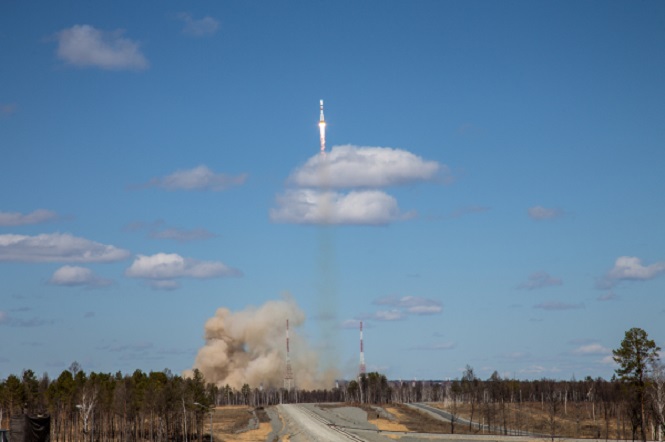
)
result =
(161, 406)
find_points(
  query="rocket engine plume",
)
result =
(247, 347)
(322, 129)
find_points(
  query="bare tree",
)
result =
(470, 386)
(453, 398)
(657, 393)
(87, 405)
(553, 398)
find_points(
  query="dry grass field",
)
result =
(575, 420)
(229, 422)
(571, 421)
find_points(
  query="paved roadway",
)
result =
(304, 424)
(308, 422)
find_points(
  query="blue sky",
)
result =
(492, 191)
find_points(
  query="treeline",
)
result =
(506, 406)
(155, 406)
(161, 406)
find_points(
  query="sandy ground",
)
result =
(388, 425)
(260, 434)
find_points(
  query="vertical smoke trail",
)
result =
(362, 352)
(328, 297)
(327, 314)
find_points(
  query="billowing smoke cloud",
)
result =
(249, 347)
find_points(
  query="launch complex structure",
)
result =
(288, 376)
(289, 381)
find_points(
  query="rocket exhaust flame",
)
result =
(322, 129)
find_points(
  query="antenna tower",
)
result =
(288, 376)
(362, 352)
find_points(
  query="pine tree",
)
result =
(636, 356)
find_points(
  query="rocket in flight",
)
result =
(322, 129)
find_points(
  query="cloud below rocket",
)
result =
(354, 166)
(315, 198)
(308, 206)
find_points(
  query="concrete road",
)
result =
(304, 424)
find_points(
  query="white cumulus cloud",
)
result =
(57, 247)
(608, 360)
(308, 206)
(353, 166)
(164, 268)
(77, 276)
(630, 268)
(198, 178)
(20, 219)
(539, 213)
(198, 27)
(389, 315)
(591, 349)
(83, 45)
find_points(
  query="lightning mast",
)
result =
(362, 353)
(322, 129)
(288, 376)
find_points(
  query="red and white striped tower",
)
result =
(362, 352)
(288, 377)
